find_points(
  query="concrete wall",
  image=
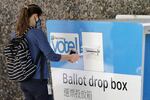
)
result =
(58, 9)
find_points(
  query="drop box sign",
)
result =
(110, 61)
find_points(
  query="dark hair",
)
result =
(25, 14)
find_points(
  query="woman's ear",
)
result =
(35, 17)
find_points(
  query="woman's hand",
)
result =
(71, 58)
(74, 58)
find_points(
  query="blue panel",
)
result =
(146, 93)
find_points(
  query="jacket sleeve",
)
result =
(44, 46)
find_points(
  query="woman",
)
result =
(36, 87)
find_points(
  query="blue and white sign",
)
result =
(110, 65)
(62, 43)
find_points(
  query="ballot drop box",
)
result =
(114, 60)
